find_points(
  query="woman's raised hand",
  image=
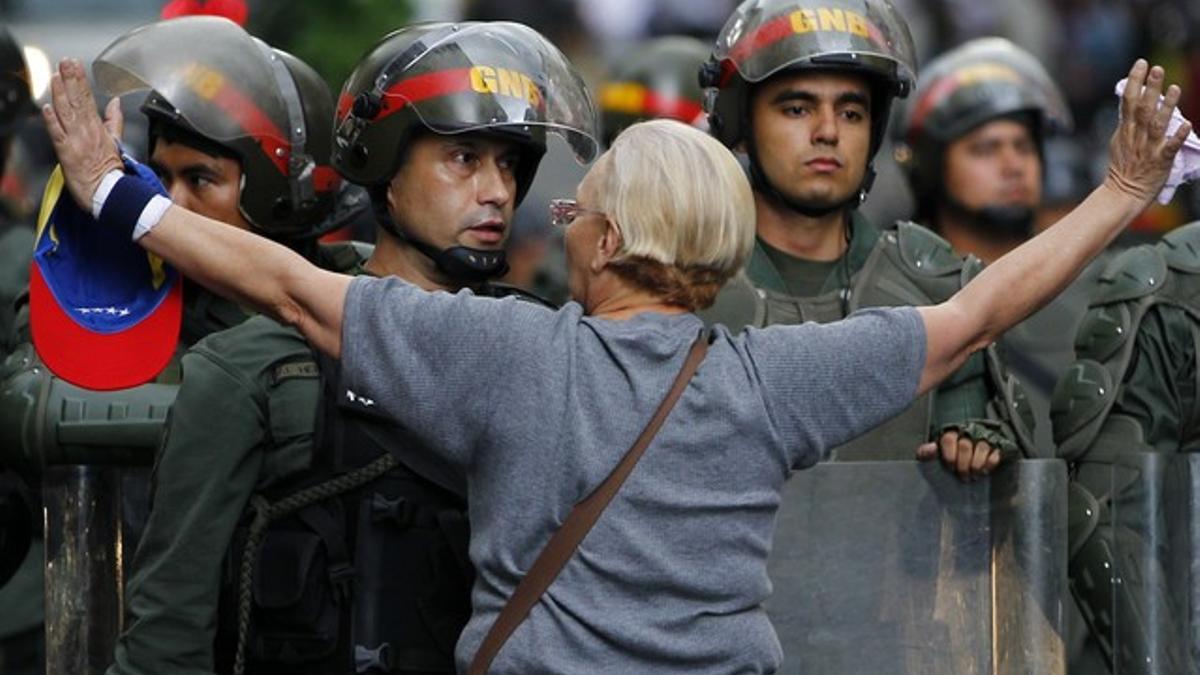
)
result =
(86, 146)
(1140, 153)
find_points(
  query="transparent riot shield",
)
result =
(1155, 535)
(898, 567)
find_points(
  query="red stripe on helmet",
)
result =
(681, 109)
(422, 87)
(256, 124)
(775, 30)
(326, 178)
(344, 102)
(936, 93)
(767, 34)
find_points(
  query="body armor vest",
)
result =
(909, 265)
(366, 570)
(1092, 439)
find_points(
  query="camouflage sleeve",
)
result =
(964, 396)
(961, 403)
(206, 471)
(1159, 389)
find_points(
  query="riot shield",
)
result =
(1155, 538)
(898, 567)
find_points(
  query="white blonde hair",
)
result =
(679, 197)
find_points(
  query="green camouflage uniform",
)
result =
(905, 265)
(236, 427)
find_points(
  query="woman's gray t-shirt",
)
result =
(537, 406)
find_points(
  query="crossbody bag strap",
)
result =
(579, 522)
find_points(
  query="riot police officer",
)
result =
(804, 88)
(240, 132)
(1122, 414)
(341, 560)
(972, 144)
(657, 78)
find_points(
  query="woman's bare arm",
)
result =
(1024, 280)
(231, 262)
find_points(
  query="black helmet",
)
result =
(15, 99)
(270, 109)
(767, 37)
(450, 78)
(979, 81)
(657, 79)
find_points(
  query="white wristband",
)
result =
(102, 191)
(153, 213)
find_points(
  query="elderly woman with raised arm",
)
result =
(672, 576)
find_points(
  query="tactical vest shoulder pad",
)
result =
(347, 256)
(1181, 248)
(1134, 274)
(1111, 320)
(924, 252)
(495, 289)
(1078, 406)
(919, 260)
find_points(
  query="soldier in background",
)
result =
(654, 79)
(972, 143)
(242, 133)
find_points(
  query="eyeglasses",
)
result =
(563, 212)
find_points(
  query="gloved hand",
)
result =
(971, 449)
(1187, 163)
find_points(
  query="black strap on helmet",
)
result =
(462, 263)
(300, 163)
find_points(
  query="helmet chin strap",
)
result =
(462, 263)
(994, 223)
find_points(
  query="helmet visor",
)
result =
(220, 80)
(764, 37)
(491, 77)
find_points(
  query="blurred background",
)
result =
(1086, 44)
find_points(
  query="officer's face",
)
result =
(200, 182)
(996, 164)
(812, 133)
(456, 190)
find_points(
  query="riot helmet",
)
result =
(656, 79)
(978, 82)
(16, 101)
(502, 79)
(764, 38)
(270, 109)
